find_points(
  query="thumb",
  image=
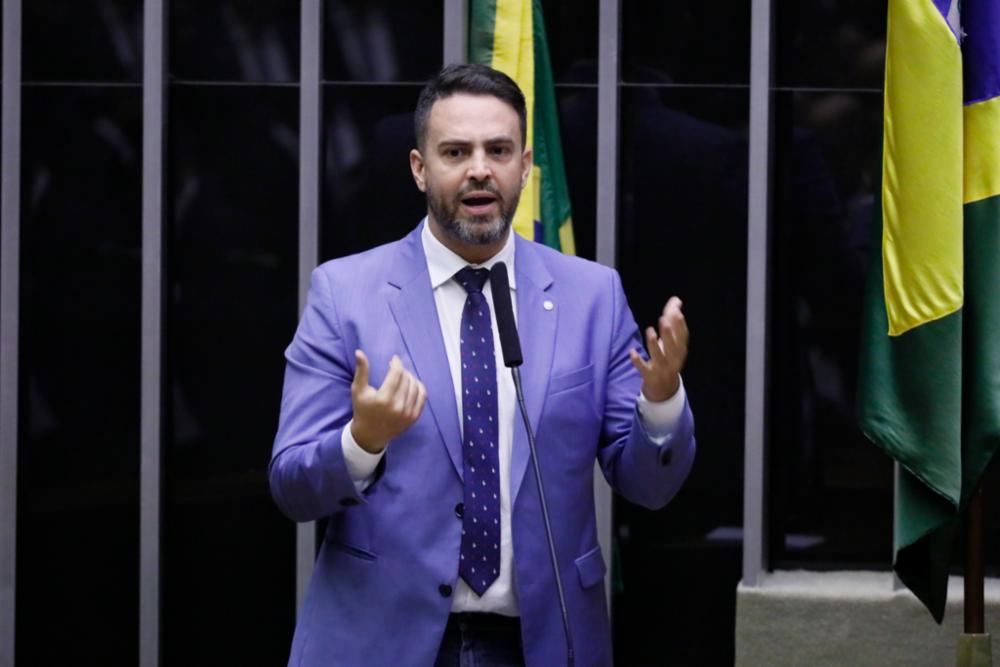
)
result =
(361, 372)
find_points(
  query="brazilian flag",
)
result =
(509, 35)
(929, 392)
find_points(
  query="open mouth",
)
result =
(479, 202)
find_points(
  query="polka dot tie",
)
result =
(479, 563)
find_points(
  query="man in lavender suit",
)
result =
(435, 552)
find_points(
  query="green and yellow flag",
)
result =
(929, 392)
(509, 35)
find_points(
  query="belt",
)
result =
(482, 622)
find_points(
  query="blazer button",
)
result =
(444, 590)
(460, 510)
(348, 502)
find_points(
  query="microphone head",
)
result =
(509, 342)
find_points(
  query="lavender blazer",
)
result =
(379, 595)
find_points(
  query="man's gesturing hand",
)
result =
(382, 414)
(661, 375)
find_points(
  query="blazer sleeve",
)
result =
(636, 467)
(308, 475)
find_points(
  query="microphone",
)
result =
(510, 346)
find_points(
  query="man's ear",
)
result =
(527, 160)
(417, 167)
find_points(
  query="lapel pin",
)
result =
(548, 305)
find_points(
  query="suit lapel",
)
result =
(537, 329)
(415, 313)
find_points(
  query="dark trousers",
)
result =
(481, 640)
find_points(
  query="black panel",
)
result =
(830, 489)
(822, 44)
(382, 40)
(578, 126)
(69, 40)
(685, 42)
(78, 454)
(682, 232)
(234, 40)
(572, 28)
(229, 556)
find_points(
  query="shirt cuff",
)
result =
(360, 464)
(660, 417)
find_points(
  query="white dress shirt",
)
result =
(449, 298)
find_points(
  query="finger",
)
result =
(675, 344)
(640, 364)
(653, 347)
(421, 399)
(668, 337)
(681, 327)
(361, 370)
(392, 379)
(412, 394)
(675, 315)
(399, 399)
(406, 402)
(679, 336)
(673, 353)
(672, 304)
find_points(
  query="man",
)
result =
(435, 547)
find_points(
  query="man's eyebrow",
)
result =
(499, 139)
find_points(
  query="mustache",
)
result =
(485, 186)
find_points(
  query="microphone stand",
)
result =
(510, 345)
(570, 657)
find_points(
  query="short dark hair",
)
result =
(472, 79)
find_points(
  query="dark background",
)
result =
(231, 214)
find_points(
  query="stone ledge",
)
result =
(853, 618)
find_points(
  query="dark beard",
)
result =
(476, 230)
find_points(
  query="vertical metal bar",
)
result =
(310, 144)
(151, 446)
(10, 245)
(607, 212)
(456, 31)
(754, 554)
(607, 132)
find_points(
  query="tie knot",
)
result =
(472, 279)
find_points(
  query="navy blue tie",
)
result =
(479, 563)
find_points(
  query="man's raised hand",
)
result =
(384, 413)
(661, 375)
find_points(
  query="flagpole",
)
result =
(974, 644)
(974, 621)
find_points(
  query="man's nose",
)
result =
(479, 167)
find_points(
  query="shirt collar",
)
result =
(443, 264)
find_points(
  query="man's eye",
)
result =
(454, 152)
(500, 150)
